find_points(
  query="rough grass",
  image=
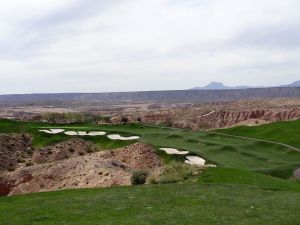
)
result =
(222, 201)
(175, 172)
(286, 132)
(248, 178)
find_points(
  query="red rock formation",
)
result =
(204, 120)
(5, 187)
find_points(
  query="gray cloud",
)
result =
(279, 36)
(123, 45)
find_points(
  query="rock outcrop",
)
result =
(204, 119)
(64, 150)
(14, 148)
(99, 169)
(136, 156)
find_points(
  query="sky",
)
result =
(134, 45)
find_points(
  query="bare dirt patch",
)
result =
(14, 149)
(100, 169)
(64, 150)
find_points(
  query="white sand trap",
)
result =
(174, 151)
(119, 137)
(195, 160)
(71, 133)
(52, 131)
(96, 133)
(210, 166)
(84, 133)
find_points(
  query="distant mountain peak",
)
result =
(220, 86)
(295, 84)
(215, 85)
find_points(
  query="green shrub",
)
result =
(139, 177)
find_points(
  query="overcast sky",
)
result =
(126, 45)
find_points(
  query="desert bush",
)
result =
(21, 160)
(175, 172)
(64, 118)
(29, 164)
(11, 167)
(124, 119)
(139, 177)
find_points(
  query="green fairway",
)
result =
(233, 193)
(224, 151)
(211, 201)
(243, 177)
(41, 139)
(287, 132)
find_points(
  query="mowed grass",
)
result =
(234, 193)
(221, 196)
(41, 139)
(247, 178)
(287, 132)
(221, 150)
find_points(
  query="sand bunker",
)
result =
(84, 133)
(195, 160)
(52, 131)
(74, 133)
(71, 133)
(96, 133)
(119, 137)
(174, 151)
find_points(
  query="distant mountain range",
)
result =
(221, 86)
(66, 99)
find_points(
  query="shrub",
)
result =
(139, 177)
(29, 164)
(124, 119)
(175, 172)
(64, 118)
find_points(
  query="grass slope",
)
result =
(215, 202)
(248, 178)
(235, 195)
(43, 139)
(222, 150)
(286, 132)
